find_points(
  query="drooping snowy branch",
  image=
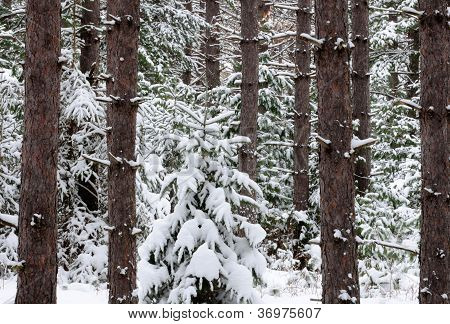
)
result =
(9, 220)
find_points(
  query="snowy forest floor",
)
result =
(281, 288)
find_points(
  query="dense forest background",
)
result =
(197, 208)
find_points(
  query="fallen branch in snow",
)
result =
(378, 242)
(9, 220)
(95, 160)
(408, 103)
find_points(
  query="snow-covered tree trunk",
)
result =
(435, 230)
(90, 20)
(249, 88)
(122, 65)
(337, 193)
(212, 47)
(38, 195)
(302, 108)
(361, 96)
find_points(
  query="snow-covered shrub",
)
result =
(82, 242)
(11, 123)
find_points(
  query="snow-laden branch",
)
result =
(377, 242)
(408, 103)
(285, 6)
(412, 12)
(284, 35)
(312, 39)
(277, 143)
(391, 245)
(96, 160)
(9, 220)
(357, 143)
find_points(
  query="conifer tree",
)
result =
(337, 194)
(122, 69)
(38, 194)
(435, 226)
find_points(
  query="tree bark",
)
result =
(302, 128)
(122, 64)
(89, 62)
(337, 193)
(212, 47)
(90, 20)
(361, 96)
(38, 195)
(393, 76)
(435, 228)
(249, 90)
(187, 74)
(302, 111)
(249, 85)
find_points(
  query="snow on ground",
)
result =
(282, 288)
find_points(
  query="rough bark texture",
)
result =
(122, 64)
(435, 230)
(302, 128)
(187, 74)
(393, 75)
(338, 245)
(89, 61)
(361, 96)
(90, 19)
(302, 110)
(212, 47)
(249, 89)
(38, 195)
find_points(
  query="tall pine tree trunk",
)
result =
(187, 74)
(435, 230)
(38, 194)
(90, 20)
(249, 89)
(302, 110)
(361, 95)
(302, 127)
(89, 62)
(212, 47)
(122, 64)
(337, 193)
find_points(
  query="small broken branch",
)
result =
(96, 160)
(408, 103)
(312, 39)
(377, 242)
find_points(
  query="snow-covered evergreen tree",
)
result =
(203, 251)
